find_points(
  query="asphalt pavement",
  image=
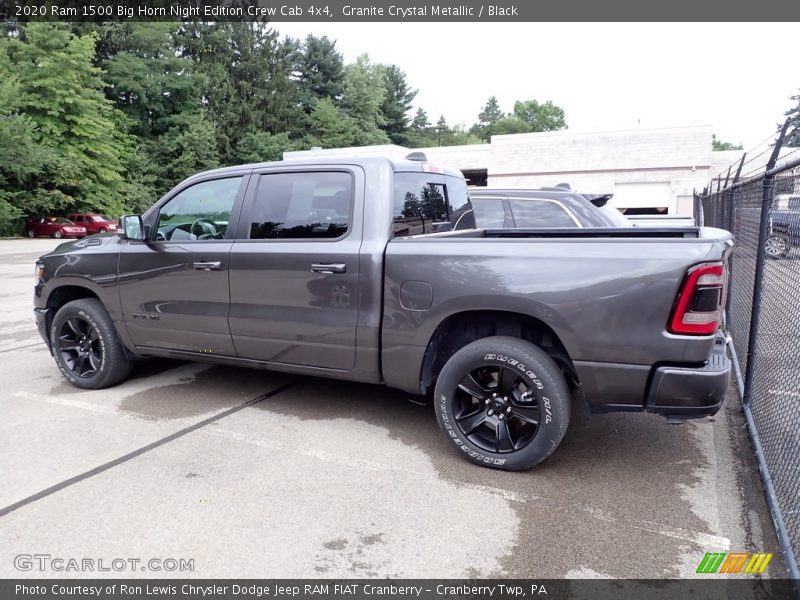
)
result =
(243, 473)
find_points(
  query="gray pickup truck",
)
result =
(327, 267)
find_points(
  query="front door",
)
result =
(294, 273)
(174, 287)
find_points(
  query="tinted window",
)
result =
(302, 205)
(200, 212)
(489, 213)
(422, 199)
(539, 214)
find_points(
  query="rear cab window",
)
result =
(426, 202)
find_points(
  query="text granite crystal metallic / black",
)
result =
(350, 268)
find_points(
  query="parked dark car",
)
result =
(93, 222)
(57, 227)
(537, 208)
(784, 227)
(302, 266)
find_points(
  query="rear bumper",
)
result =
(692, 392)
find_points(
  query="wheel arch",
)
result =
(462, 328)
(63, 294)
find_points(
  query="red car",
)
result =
(93, 222)
(57, 227)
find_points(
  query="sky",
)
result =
(736, 77)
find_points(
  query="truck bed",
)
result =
(607, 294)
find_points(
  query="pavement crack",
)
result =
(144, 449)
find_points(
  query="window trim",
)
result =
(250, 205)
(566, 209)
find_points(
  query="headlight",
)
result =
(39, 272)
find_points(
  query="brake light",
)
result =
(429, 168)
(698, 306)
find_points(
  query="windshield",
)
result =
(61, 220)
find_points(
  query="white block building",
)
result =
(651, 169)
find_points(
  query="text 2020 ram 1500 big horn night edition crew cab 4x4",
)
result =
(326, 267)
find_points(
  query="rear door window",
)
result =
(302, 205)
(540, 214)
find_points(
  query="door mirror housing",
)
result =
(131, 228)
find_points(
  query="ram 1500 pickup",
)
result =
(327, 267)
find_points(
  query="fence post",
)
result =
(730, 225)
(763, 231)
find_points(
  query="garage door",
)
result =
(643, 195)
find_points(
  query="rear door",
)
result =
(294, 268)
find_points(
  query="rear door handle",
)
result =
(329, 267)
(202, 265)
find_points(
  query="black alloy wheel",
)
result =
(80, 347)
(496, 410)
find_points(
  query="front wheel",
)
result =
(503, 403)
(86, 347)
(58, 235)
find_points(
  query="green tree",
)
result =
(188, 146)
(146, 78)
(540, 117)
(248, 80)
(490, 113)
(330, 128)
(396, 104)
(61, 92)
(320, 71)
(22, 157)
(793, 133)
(441, 130)
(420, 122)
(364, 93)
(507, 125)
(263, 146)
(717, 146)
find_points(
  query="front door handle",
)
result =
(207, 265)
(329, 267)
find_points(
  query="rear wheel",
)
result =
(502, 402)
(86, 347)
(31, 233)
(777, 246)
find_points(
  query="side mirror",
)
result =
(131, 228)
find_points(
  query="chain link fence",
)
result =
(762, 210)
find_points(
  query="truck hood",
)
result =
(97, 240)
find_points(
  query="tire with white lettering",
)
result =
(503, 403)
(86, 346)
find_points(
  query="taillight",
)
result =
(698, 307)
